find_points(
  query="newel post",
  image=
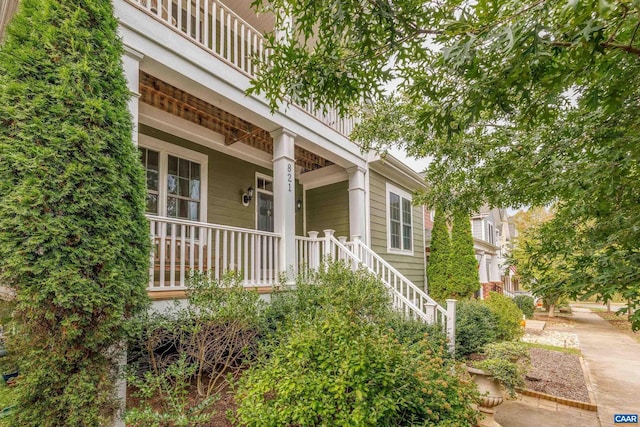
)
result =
(327, 253)
(314, 250)
(451, 324)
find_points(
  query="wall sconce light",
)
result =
(246, 197)
(298, 204)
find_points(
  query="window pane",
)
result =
(173, 165)
(152, 160)
(183, 168)
(152, 203)
(395, 235)
(183, 209)
(183, 187)
(406, 237)
(172, 207)
(394, 207)
(268, 185)
(152, 180)
(406, 212)
(172, 184)
(194, 211)
(195, 171)
(194, 191)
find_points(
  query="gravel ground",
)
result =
(556, 373)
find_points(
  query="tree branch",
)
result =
(606, 45)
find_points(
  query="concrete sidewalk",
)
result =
(613, 361)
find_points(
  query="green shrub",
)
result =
(217, 332)
(74, 243)
(508, 316)
(341, 356)
(164, 398)
(335, 287)
(508, 350)
(510, 374)
(332, 370)
(463, 263)
(525, 304)
(476, 326)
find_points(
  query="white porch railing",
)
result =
(216, 28)
(180, 246)
(406, 296)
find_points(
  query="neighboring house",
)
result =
(493, 233)
(232, 186)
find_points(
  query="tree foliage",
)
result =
(544, 271)
(439, 267)
(517, 103)
(465, 279)
(73, 241)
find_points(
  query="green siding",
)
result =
(228, 179)
(328, 207)
(412, 267)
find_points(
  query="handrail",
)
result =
(413, 287)
(179, 221)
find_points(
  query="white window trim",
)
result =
(165, 149)
(390, 188)
(257, 190)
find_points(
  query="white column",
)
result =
(357, 202)
(494, 269)
(284, 197)
(482, 271)
(131, 64)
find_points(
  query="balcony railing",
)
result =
(180, 246)
(216, 28)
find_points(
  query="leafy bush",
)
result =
(74, 243)
(525, 304)
(217, 332)
(508, 350)
(508, 316)
(510, 374)
(413, 332)
(168, 389)
(335, 361)
(476, 326)
(335, 287)
(333, 371)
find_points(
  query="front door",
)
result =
(264, 204)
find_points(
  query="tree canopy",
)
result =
(517, 103)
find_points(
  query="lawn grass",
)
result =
(575, 351)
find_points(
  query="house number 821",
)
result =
(289, 176)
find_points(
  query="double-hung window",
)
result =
(399, 220)
(176, 180)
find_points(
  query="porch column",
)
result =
(357, 202)
(284, 197)
(494, 270)
(482, 271)
(131, 64)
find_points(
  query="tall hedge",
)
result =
(465, 279)
(73, 239)
(438, 268)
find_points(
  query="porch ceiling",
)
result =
(166, 97)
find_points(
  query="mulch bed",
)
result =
(556, 373)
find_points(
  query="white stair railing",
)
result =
(406, 296)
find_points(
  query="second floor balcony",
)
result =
(233, 35)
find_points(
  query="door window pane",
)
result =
(150, 162)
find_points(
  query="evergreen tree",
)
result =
(465, 279)
(438, 268)
(73, 237)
